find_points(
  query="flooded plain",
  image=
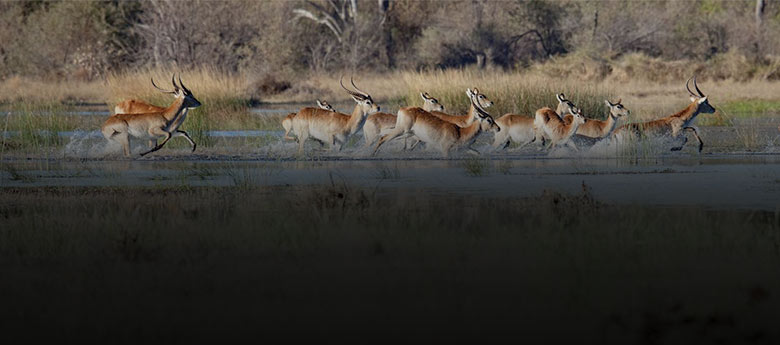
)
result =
(739, 167)
(715, 180)
(609, 244)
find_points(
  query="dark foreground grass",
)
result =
(185, 265)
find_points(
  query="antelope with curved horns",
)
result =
(676, 124)
(152, 125)
(445, 135)
(330, 126)
(378, 123)
(287, 121)
(136, 106)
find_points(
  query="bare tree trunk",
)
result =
(156, 50)
(760, 4)
(595, 25)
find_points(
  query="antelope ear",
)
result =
(469, 92)
(422, 94)
(702, 100)
(694, 99)
(609, 104)
(358, 99)
(560, 97)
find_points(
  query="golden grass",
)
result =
(524, 92)
(649, 87)
(207, 83)
(18, 89)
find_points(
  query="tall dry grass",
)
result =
(20, 90)
(223, 95)
(651, 88)
(207, 83)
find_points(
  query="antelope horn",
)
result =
(688, 87)
(480, 111)
(159, 88)
(620, 100)
(182, 85)
(357, 88)
(173, 81)
(354, 94)
(696, 86)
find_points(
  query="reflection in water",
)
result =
(721, 181)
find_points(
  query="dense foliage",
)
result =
(87, 39)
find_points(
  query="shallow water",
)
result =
(719, 181)
(727, 174)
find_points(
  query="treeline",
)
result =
(87, 39)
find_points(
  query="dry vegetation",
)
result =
(194, 263)
(235, 54)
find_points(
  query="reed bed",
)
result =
(515, 93)
(227, 97)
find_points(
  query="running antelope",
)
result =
(520, 128)
(377, 123)
(445, 135)
(330, 126)
(463, 121)
(151, 125)
(287, 121)
(135, 106)
(676, 124)
(549, 123)
(601, 129)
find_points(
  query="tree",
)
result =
(358, 35)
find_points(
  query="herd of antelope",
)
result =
(427, 124)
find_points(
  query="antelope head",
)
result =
(577, 116)
(363, 100)
(703, 105)
(325, 105)
(617, 110)
(481, 99)
(564, 105)
(180, 91)
(431, 104)
(486, 121)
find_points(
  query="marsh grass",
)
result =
(227, 97)
(386, 172)
(481, 166)
(14, 174)
(36, 127)
(247, 177)
(476, 166)
(335, 252)
(750, 135)
(504, 167)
